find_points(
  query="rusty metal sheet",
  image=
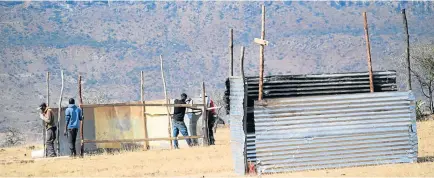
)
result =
(119, 122)
(125, 122)
(317, 132)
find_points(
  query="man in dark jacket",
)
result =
(178, 124)
(47, 116)
(73, 116)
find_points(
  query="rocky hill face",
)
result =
(109, 43)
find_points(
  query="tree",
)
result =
(422, 68)
(13, 137)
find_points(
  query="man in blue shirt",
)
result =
(73, 116)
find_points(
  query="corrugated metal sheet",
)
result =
(335, 131)
(126, 122)
(321, 84)
(237, 114)
(251, 147)
(317, 84)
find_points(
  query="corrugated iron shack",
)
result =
(265, 124)
(318, 132)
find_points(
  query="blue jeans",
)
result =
(179, 126)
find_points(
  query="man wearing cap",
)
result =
(47, 116)
(178, 124)
(73, 116)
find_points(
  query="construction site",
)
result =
(357, 123)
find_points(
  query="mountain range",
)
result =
(110, 42)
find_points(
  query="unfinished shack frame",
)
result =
(202, 107)
(199, 107)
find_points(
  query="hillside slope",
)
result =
(109, 43)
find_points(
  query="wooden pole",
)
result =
(48, 88)
(82, 119)
(242, 62)
(244, 106)
(261, 56)
(205, 117)
(59, 115)
(44, 132)
(368, 49)
(142, 99)
(407, 49)
(231, 52)
(165, 98)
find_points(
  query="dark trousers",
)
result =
(72, 137)
(179, 126)
(211, 121)
(51, 137)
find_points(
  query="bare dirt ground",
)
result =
(214, 161)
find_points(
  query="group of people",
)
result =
(178, 124)
(73, 116)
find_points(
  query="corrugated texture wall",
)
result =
(278, 86)
(237, 116)
(321, 84)
(335, 131)
(316, 84)
(308, 85)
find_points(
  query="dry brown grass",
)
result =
(198, 162)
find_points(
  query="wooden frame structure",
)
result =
(202, 107)
(194, 106)
(83, 141)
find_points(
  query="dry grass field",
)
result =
(214, 161)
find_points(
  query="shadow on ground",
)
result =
(425, 159)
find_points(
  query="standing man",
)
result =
(178, 121)
(47, 116)
(212, 115)
(73, 116)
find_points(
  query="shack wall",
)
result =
(126, 122)
(320, 132)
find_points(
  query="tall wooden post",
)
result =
(244, 106)
(407, 49)
(142, 99)
(166, 99)
(231, 52)
(262, 42)
(44, 131)
(368, 49)
(205, 117)
(59, 115)
(82, 119)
